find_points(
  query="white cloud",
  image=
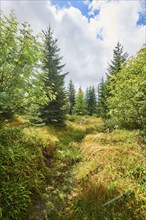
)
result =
(85, 56)
(118, 21)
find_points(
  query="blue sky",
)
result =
(142, 15)
(83, 7)
(142, 19)
(75, 3)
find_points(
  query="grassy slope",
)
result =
(86, 169)
(112, 164)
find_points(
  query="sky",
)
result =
(87, 31)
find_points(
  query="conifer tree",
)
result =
(71, 96)
(80, 107)
(118, 59)
(127, 103)
(53, 112)
(91, 100)
(102, 107)
(113, 68)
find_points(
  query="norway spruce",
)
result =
(71, 96)
(116, 64)
(102, 107)
(54, 111)
(118, 59)
(80, 107)
(91, 100)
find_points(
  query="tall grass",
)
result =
(22, 172)
(66, 156)
(71, 172)
(112, 164)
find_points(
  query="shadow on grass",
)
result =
(89, 205)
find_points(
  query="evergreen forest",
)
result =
(66, 153)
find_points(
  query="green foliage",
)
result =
(121, 98)
(102, 107)
(53, 112)
(80, 107)
(91, 100)
(127, 101)
(104, 164)
(66, 156)
(118, 59)
(20, 80)
(22, 173)
(76, 164)
(71, 96)
(104, 91)
(72, 118)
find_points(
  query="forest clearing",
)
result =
(67, 151)
(71, 173)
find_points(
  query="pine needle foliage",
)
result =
(53, 112)
(91, 100)
(80, 107)
(71, 96)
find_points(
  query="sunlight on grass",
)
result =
(46, 134)
(16, 121)
(112, 163)
(87, 168)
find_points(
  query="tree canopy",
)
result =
(21, 82)
(127, 105)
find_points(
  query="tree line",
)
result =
(32, 77)
(121, 96)
(32, 81)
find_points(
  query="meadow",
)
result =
(77, 172)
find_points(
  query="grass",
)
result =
(112, 164)
(22, 170)
(83, 168)
(66, 156)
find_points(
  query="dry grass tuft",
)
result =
(112, 164)
(16, 122)
(46, 134)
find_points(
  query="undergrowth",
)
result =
(112, 164)
(22, 172)
(52, 173)
(66, 156)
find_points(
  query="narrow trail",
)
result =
(62, 182)
(67, 157)
(90, 175)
